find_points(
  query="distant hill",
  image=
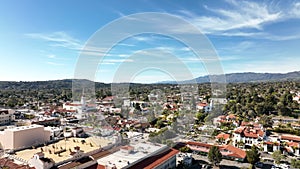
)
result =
(230, 78)
(42, 85)
(246, 77)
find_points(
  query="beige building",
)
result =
(6, 116)
(24, 136)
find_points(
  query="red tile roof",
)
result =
(202, 104)
(222, 117)
(269, 142)
(239, 130)
(100, 166)
(198, 144)
(293, 144)
(223, 135)
(10, 164)
(156, 160)
(231, 150)
(127, 147)
(290, 137)
(72, 104)
(231, 116)
(236, 152)
(250, 132)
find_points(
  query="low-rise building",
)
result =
(249, 136)
(228, 151)
(38, 161)
(140, 155)
(6, 117)
(223, 138)
(24, 136)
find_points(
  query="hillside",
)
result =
(247, 77)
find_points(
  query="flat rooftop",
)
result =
(142, 150)
(70, 143)
(13, 128)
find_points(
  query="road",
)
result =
(224, 163)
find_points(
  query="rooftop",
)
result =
(290, 137)
(155, 160)
(34, 126)
(70, 143)
(141, 151)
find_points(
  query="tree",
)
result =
(295, 163)
(266, 121)
(214, 155)
(253, 155)
(185, 149)
(277, 156)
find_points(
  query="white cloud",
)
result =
(241, 15)
(55, 64)
(243, 18)
(51, 56)
(57, 39)
(295, 11)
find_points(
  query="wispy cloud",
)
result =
(239, 47)
(55, 64)
(242, 18)
(113, 61)
(57, 39)
(241, 15)
(51, 56)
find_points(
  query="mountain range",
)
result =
(245, 77)
(230, 78)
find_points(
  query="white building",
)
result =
(140, 155)
(249, 136)
(38, 161)
(6, 116)
(25, 136)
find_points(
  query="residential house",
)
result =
(38, 161)
(228, 151)
(223, 138)
(249, 136)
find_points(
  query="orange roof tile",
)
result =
(236, 152)
(231, 116)
(290, 137)
(293, 144)
(223, 135)
(155, 160)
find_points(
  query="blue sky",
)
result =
(41, 40)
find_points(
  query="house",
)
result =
(291, 138)
(201, 106)
(6, 116)
(293, 147)
(231, 118)
(38, 161)
(248, 136)
(223, 137)
(270, 146)
(289, 147)
(228, 151)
